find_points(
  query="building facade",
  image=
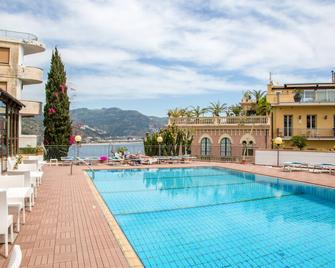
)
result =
(14, 74)
(231, 138)
(305, 110)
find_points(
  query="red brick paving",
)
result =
(66, 227)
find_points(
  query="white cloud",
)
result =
(145, 49)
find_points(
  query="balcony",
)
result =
(311, 134)
(31, 108)
(303, 97)
(28, 41)
(228, 120)
(30, 75)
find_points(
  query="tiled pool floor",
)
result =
(205, 217)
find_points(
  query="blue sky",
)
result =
(155, 55)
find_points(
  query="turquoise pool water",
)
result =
(211, 217)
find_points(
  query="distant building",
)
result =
(306, 109)
(14, 75)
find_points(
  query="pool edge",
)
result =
(126, 248)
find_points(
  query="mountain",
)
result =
(103, 124)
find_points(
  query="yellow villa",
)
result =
(306, 109)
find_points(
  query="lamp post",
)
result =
(159, 140)
(278, 141)
(77, 138)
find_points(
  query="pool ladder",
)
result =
(86, 164)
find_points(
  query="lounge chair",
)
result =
(324, 167)
(149, 161)
(295, 166)
(6, 220)
(67, 160)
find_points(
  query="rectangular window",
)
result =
(288, 125)
(4, 55)
(3, 85)
(311, 121)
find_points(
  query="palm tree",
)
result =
(217, 108)
(263, 107)
(258, 95)
(174, 113)
(235, 110)
(197, 111)
(184, 112)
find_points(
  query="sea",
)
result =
(105, 149)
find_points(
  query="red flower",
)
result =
(56, 94)
(72, 139)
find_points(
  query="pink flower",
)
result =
(56, 94)
(63, 87)
(51, 110)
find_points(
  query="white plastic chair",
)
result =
(34, 173)
(6, 221)
(28, 182)
(15, 184)
(16, 257)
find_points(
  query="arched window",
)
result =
(248, 149)
(205, 147)
(225, 147)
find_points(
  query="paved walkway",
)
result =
(66, 227)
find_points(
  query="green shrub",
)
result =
(299, 141)
(27, 150)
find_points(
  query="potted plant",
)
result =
(297, 96)
(18, 161)
(39, 150)
(103, 159)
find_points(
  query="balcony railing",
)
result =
(229, 120)
(314, 133)
(30, 75)
(18, 35)
(305, 96)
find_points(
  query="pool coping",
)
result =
(219, 165)
(127, 250)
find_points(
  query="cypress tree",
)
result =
(57, 122)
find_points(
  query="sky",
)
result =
(155, 55)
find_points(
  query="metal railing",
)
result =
(18, 35)
(305, 96)
(306, 132)
(212, 152)
(226, 120)
(78, 160)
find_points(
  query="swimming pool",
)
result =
(213, 217)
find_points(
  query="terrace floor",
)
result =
(68, 226)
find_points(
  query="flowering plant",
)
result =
(51, 110)
(103, 158)
(72, 139)
(18, 161)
